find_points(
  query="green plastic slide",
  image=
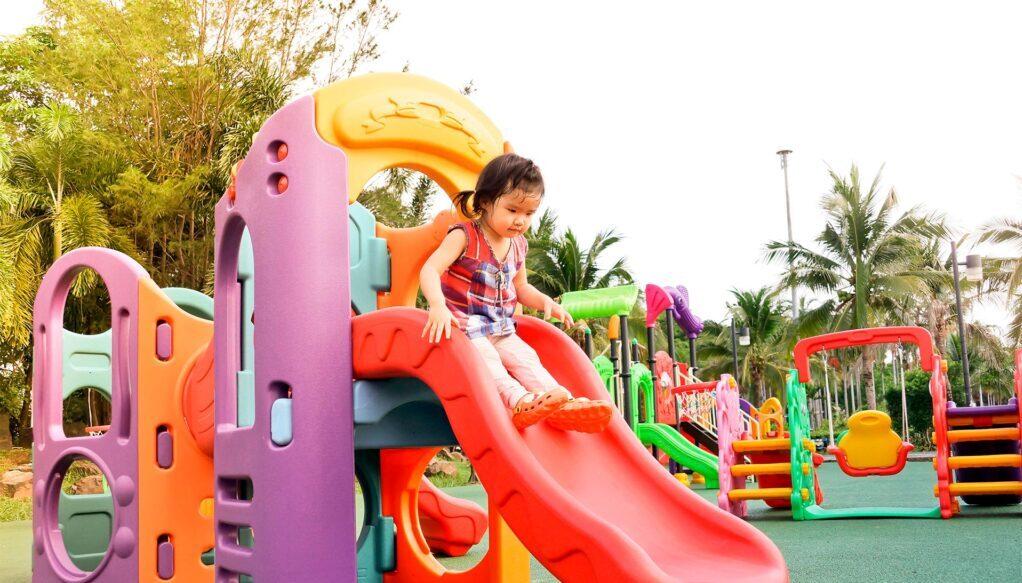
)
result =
(681, 450)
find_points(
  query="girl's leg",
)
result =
(508, 388)
(575, 414)
(523, 364)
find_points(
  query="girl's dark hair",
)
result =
(503, 175)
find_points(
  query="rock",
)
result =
(23, 468)
(88, 485)
(16, 484)
(446, 468)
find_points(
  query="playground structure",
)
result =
(636, 381)
(315, 394)
(871, 448)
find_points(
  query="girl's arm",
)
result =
(531, 297)
(440, 320)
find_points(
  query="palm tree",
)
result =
(1005, 274)
(869, 258)
(561, 264)
(766, 360)
(47, 195)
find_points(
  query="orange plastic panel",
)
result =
(409, 249)
(170, 498)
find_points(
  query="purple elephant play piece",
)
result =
(688, 321)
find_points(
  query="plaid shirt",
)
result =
(478, 288)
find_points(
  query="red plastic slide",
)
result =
(451, 525)
(589, 507)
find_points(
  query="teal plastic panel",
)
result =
(280, 422)
(370, 259)
(246, 376)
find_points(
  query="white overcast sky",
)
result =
(662, 119)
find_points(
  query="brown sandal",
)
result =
(527, 413)
(582, 415)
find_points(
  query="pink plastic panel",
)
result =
(304, 525)
(116, 451)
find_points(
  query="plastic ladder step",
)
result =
(1006, 460)
(983, 488)
(760, 469)
(759, 493)
(778, 443)
(993, 434)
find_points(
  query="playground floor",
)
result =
(980, 544)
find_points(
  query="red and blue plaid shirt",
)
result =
(478, 288)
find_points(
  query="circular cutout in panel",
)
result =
(85, 514)
(86, 413)
(401, 197)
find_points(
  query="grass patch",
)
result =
(12, 510)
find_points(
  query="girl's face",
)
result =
(511, 214)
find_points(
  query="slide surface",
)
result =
(589, 507)
(681, 450)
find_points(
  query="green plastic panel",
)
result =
(605, 368)
(601, 303)
(86, 522)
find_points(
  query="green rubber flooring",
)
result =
(980, 544)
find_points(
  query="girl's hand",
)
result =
(438, 325)
(552, 308)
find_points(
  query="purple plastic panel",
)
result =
(164, 341)
(116, 451)
(164, 449)
(688, 321)
(304, 525)
(1010, 409)
(165, 560)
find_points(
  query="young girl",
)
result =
(476, 277)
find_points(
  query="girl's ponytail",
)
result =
(463, 202)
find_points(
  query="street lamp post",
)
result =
(739, 337)
(791, 239)
(974, 273)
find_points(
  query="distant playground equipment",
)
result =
(635, 379)
(871, 448)
(295, 408)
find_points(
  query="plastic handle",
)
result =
(862, 337)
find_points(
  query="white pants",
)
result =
(515, 367)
